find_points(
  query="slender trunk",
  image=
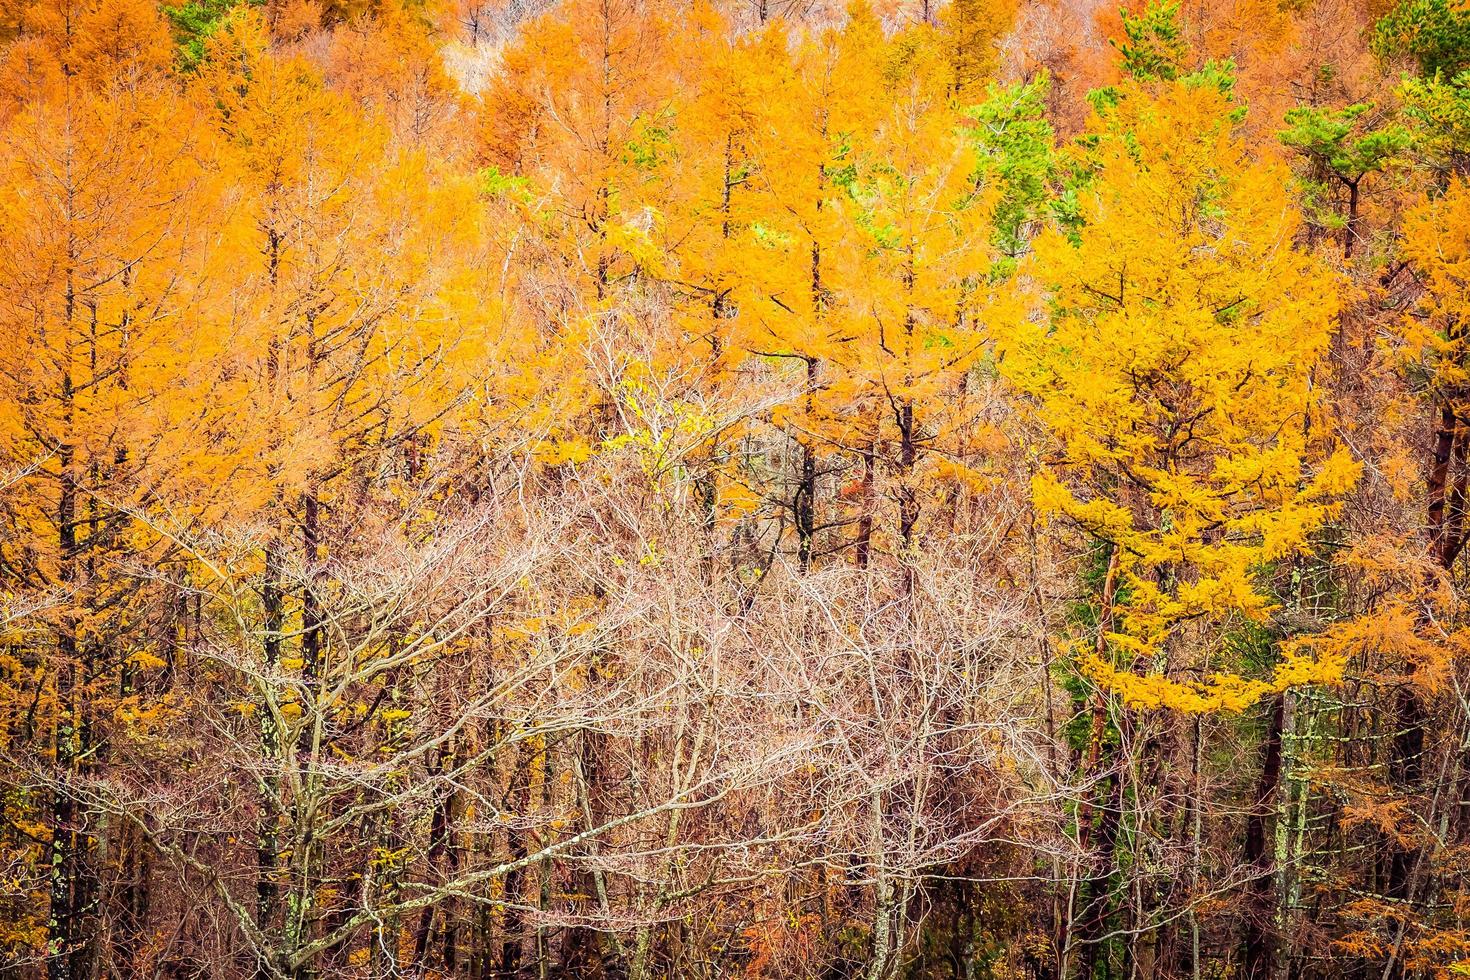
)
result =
(1406, 772)
(135, 870)
(869, 495)
(313, 629)
(1097, 844)
(1097, 905)
(1197, 833)
(883, 903)
(71, 885)
(267, 851)
(542, 937)
(513, 938)
(1438, 490)
(386, 932)
(1445, 516)
(806, 490)
(1259, 944)
(590, 951)
(439, 831)
(1350, 229)
(1291, 823)
(61, 927)
(908, 499)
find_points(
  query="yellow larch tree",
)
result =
(801, 159)
(705, 230)
(571, 124)
(972, 32)
(389, 63)
(1416, 625)
(1171, 355)
(357, 327)
(912, 280)
(108, 418)
(341, 310)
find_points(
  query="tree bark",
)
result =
(1259, 941)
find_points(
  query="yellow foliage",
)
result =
(1170, 350)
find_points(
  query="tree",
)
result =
(1174, 367)
(609, 489)
(909, 292)
(972, 32)
(389, 62)
(1015, 149)
(1344, 146)
(1421, 619)
(1438, 111)
(346, 322)
(833, 102)
(1153, 47)
(111, 410)
(1435, 34)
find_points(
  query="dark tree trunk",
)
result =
(513, 940)
(1259, 942)
(805, 505)
(908, 500)
(267, 842)
(1350, 229)
(1098, 844)
(311, 616)
(865, 520)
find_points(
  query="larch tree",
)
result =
(109, 414)
(912, 281)
(1417, 624)
(1171, 355)
(820, 131)
(356, 337)
(769, 488)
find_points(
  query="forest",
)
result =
(701, 489)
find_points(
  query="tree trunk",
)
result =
(1098, 844)
(806, 490)
(267, 851)
(72, 885)
(908, 500)
(1259, 943)
(311, 617)
(865, 520)
(513, 938)
(1350, 229)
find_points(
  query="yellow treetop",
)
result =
(1171, 353)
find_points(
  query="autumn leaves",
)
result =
(402, 432)
(820, 209)
(1174, 361)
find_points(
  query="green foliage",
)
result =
(1153, 48)
(1439, 112)
(652, 144)
(193, 23)
(1219, 75)
(1434, 33)
(864, 193)
(1344, 141)
(493, 183)
(1251, 648)
(1343, 146)
(1014, 144)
